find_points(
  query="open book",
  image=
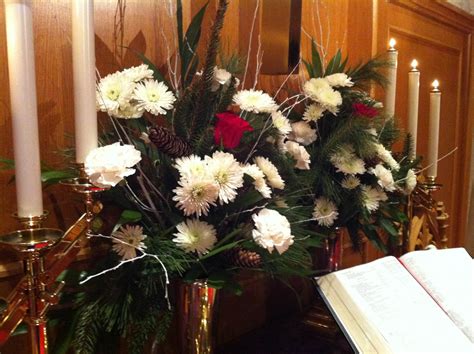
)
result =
(420, 303)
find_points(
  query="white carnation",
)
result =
(385, 178)
(299, 154)
(255, 101)
(313, 112)
(271, 172)
(325, 211)
(339, 80)
(386, 156)
(281, 123)
(272, 230)
(195, 236)
(221, 78)
(154, 97)
(108, 165)
(302, 133)
(258, 180)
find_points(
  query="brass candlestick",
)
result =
(46, 253)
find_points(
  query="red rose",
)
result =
(361, 109)
(229, 129)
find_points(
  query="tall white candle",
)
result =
(413, 98)
(391, 89)
(21, 73)
(83, 58)
(435, 108)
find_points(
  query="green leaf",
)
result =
(316, 60)
(8, 164)
(190, 42)
(333, 64)
(309, 68)
(51, 177)
(179, 20)
(388, 226)
(130, 216)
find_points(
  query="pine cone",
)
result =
(240, 257)
(169, 143)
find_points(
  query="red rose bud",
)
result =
(361, 109)
(229, 129)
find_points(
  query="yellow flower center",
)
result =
(153, 96)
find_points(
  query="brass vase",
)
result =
(197, 307)
(333, 249)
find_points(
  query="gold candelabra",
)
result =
(45, 253)
(428, 219)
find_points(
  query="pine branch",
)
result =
(199, 118)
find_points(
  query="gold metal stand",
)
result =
(46, 253)
(428, 219)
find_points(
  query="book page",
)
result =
(448, 276)
(391, 300)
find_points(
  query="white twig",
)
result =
(441, 158)
(259, 62)
(286, 79)
(250, 42)
(122, 262)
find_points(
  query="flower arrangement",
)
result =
(194, 167)
(211, 178)
(354, 180)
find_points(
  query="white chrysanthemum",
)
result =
(302, 133)
(255, 101)
(271, 172)
(154, 97)
(299, 154)
(130, 111)
(339, 80)
(272, 230)
(378, 105)
(227, 173)
(196, 195)
(314, 86)
(313, 112)
(330, 99)
(386, 156)
(347, 162)
(138, 73)
(127, 240)
(114, 91)
(350, 182)
(258, 180)
(371, 197)
(195, 236)
(325, 211)
(385, 178)
(281, 123)
(221, 77)
(191, 166)
(410, 181)
(108, 165)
